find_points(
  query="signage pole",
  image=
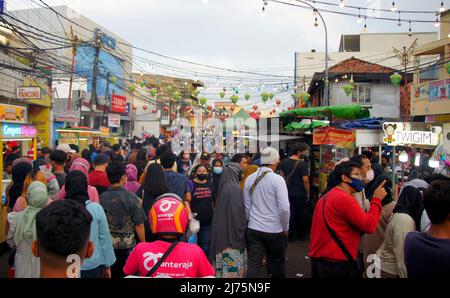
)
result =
(393, 173)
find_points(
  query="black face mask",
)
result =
(202, 176)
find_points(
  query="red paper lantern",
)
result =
(134, 108)
(209, 108)
(255, 107)
(173, 115)
(274, 111)
(278, 102)
(144, 107)
(154, 111)
(166, 109)
(232, 108)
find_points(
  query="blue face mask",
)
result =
(217, 170)
(356, 184)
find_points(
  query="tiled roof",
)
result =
(354, 65)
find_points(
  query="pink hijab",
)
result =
(132, 185)
(82, 165)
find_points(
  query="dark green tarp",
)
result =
(348, 112)
(299, 126)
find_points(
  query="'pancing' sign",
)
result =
(398, 133)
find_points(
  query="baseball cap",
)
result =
(269, 155)
(101, 159)
(66, 148)
(205, 156)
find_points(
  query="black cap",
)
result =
(101, 159)
(205, 156)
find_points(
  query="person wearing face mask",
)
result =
(202, 204)
(338, 222)
(216, 174)
(184, 163)
(365, 167)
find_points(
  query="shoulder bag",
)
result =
(163, 258)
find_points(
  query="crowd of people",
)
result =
(139, 209)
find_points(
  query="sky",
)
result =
(232, 33)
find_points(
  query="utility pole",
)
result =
(97, 46)
(405, 56)
(74, 43)
(105, 106)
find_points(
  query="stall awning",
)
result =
(348, 112)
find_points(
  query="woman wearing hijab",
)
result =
(99, 264)
(21, 202)
(141, 161)
(82, 165)
(132, 184)
(19, 172)
(228, 247)
(216, 174)
(406, 218)
(22, 231)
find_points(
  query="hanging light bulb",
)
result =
(341, 4)
(359, 19)
(314, 13)
(263, 11)
(409, 30)
(365, 25)
(442, 8)
(393, 8)
(316, 23)
(436, 23)
(399, 20)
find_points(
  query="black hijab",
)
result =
(19, 172)
(411, 203)
(77, 187)
(229, 221)
(379, 177)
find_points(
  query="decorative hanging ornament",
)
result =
(134, 108)
(176, 96)
(271, 96)
(153, 92)
(222, 94)
(274, 111)
(131, 88)
(173, 114)
(144, 107)
(234, 99)
(255, 107)
(278, 102)
(114, 80)
(264, 97)
(202, 101)
(143, 84)
(209, 108)
(247, 96)
(396, 79)
(351, 82)
(166, 109)
(348, 89)
(232, 108)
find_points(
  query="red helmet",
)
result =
(168, 215)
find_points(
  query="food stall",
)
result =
(25, 135)
(80, 136)
(411, 140)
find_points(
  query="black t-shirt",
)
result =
(296, 188)
(61, 178)
(202, 202)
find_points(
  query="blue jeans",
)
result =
(203, 237)
(93, 273)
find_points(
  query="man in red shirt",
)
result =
(98, 177)
(346, 220)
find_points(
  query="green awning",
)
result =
(347, 112)
(301, 126)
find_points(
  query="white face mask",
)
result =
(370, 175)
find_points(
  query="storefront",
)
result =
(80, 136)
(414, 145)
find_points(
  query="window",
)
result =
(361, 93)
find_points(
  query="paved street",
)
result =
(297, 265)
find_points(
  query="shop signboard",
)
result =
(31, 87)
(118, 104)
(437, 90)
(403, 134)
(104, 132)
(25, 93)
(18, 131)
(113, 120)
(334, 136)
(10, 113)
(68, 116)
(40, 117)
